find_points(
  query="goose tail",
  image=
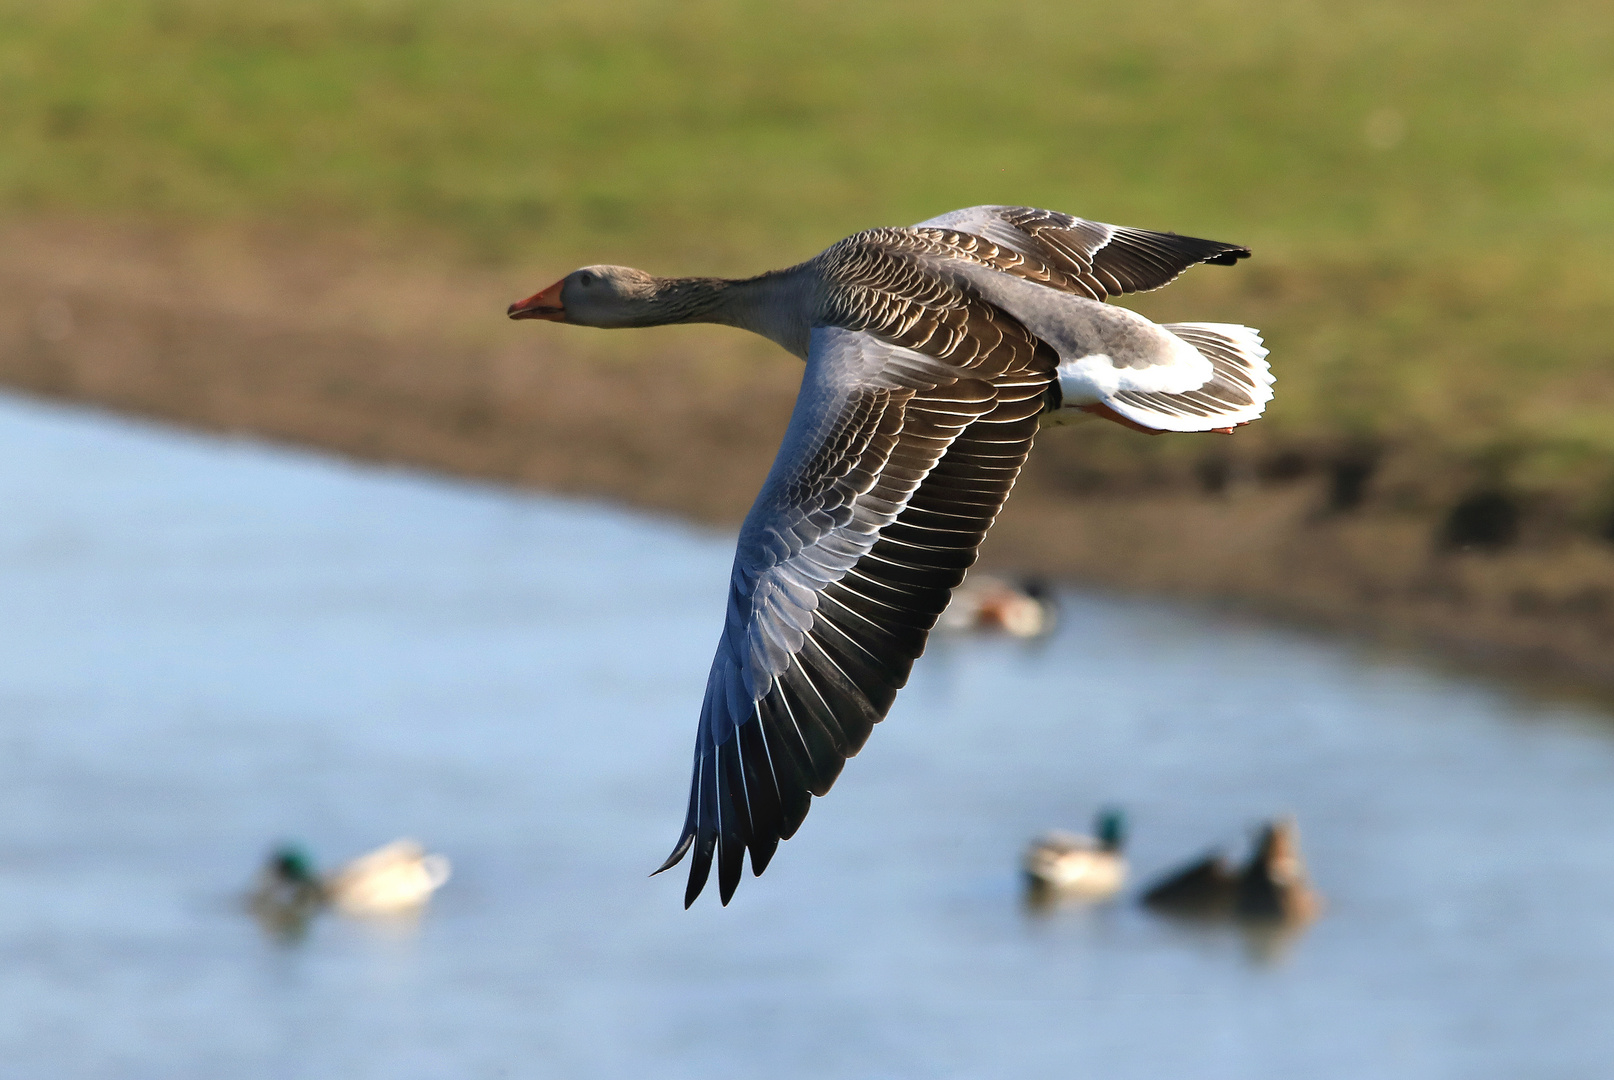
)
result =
(1236, 393)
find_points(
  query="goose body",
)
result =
(933, 353)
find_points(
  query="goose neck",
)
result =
(770, 305)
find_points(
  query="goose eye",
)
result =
(585, 278)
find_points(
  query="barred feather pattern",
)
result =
(1071, 254)
(885, 487)
(917, 411)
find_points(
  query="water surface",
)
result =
(211, 645)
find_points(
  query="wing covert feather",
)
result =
(1072, 254)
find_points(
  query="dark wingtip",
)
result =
(761, 855)
(677, 855)
(700, 868)
(1229, 257)
(730, 865)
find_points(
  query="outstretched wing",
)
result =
(1085, 257)
(893, 467)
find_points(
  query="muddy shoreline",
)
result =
(373, 353)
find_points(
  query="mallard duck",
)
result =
(1204, 887)
(398, 877)
(1274, 884)
(286, 893)
(1271, 887)
(988, 603)
(934, 353)
(1062, 864)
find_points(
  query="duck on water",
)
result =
(394, 879)
(934, 353)
(1272, 886)
(1064, 866)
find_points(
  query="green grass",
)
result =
(1429, 186)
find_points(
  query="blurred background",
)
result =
(404, 568)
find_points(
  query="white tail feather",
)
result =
(1236, 393)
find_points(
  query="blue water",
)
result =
(209, 645)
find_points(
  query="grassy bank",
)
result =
(341, 348)
(1429, 187)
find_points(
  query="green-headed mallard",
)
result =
(286, 893)
(1062, 864)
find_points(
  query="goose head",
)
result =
(606, 296)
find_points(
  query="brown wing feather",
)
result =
(1088, 258)
(869, 627)
(969, 405)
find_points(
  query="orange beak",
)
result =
(545, 305)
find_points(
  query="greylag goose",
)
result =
(933, 354)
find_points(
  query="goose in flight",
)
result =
(933, 355)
